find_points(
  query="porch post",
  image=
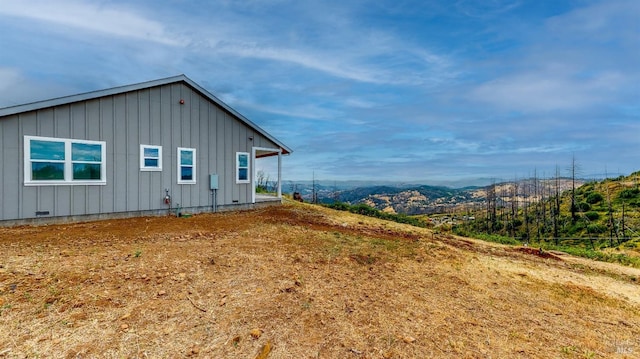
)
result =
(253, 175)
(280, 173)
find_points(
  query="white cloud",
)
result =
(485, 8)
(338, 45)
(316, 61)
(16, 89)
(8, 78)
(575, 61)
(540, 91)
(83, 15)
(405, 67)
(606, 20)
(310, 111)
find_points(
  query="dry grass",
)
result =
(311, 282)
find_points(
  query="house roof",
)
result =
(134, 87)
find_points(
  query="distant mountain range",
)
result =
(424, 199)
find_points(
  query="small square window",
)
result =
(150, 158)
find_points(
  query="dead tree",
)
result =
(525, 197)
(612, 225)
(556, 209)
(514, 206)
(574, 206)
(491, 207)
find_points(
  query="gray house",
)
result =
(148, 148)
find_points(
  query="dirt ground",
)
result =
(298, 281)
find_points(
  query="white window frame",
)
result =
(67, 161)
(143, 166)
(193, 166)
(238, 167)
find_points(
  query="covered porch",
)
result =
(257, 154)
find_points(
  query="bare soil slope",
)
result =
(299, 281)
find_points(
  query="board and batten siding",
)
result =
(151, 116)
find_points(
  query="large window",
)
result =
(242, 167)
(186, 165)
(150, 158)
(61, 161)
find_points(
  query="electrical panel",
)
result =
(213, 181)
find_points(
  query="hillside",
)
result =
(423, 199)
(301, 281)
(597, 214)
(412, 200)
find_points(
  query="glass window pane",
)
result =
(242, 174)
(151, 152)
(86, 171)
(47, 150)
(150, 162)
(186, 173)
(186, 157)
(44, 171)
(243, 160)
(86, 152)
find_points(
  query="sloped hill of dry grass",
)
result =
(304, 282)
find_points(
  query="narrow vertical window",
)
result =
(150, 158)
(186, 165)
(242, 167)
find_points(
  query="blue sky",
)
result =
(437, 92)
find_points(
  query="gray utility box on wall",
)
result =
(213, 181)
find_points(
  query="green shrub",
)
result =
(369, 211)
(592, 215)
(575, 228)
(486, 237)
(594, 197)
(515, 224)
(340, 206)
(629, 193)
(364, 210)
(597, 255)
(596, 228)
(584, 206)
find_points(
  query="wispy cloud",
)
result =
(16, 89)
(109, 19)
(567, 66)
(332, 65)
(544, 91)
(309, 111)
(342, 45)
(485, 8)
(383, 65)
